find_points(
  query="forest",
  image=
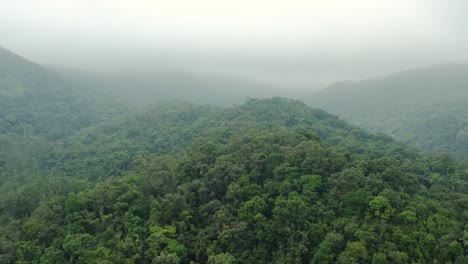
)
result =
(84, 179)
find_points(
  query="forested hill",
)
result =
(425, 108)
(35, 100)
(170, 127)
(269, 181)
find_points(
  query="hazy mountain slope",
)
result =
(38, 109)
(143, 88)
(269, 181)
(426, 108)
(35, 100)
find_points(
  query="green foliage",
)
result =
(223, 258)
(382, 207)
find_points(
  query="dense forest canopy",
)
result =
(267, 181)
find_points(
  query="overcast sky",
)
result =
(287, 42)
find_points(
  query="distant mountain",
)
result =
(142, 88)
(35, 100)
(426, 108)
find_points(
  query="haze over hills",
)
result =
(426, 108)
(131, 88)
(147, 87)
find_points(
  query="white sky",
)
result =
(280, 41)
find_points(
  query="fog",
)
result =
(294, 44)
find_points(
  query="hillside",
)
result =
(170, 127)
(37, 101)
(425, 108)
(269, 181)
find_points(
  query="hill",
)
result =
(268, 181)
(35, 100)
(425, 108)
